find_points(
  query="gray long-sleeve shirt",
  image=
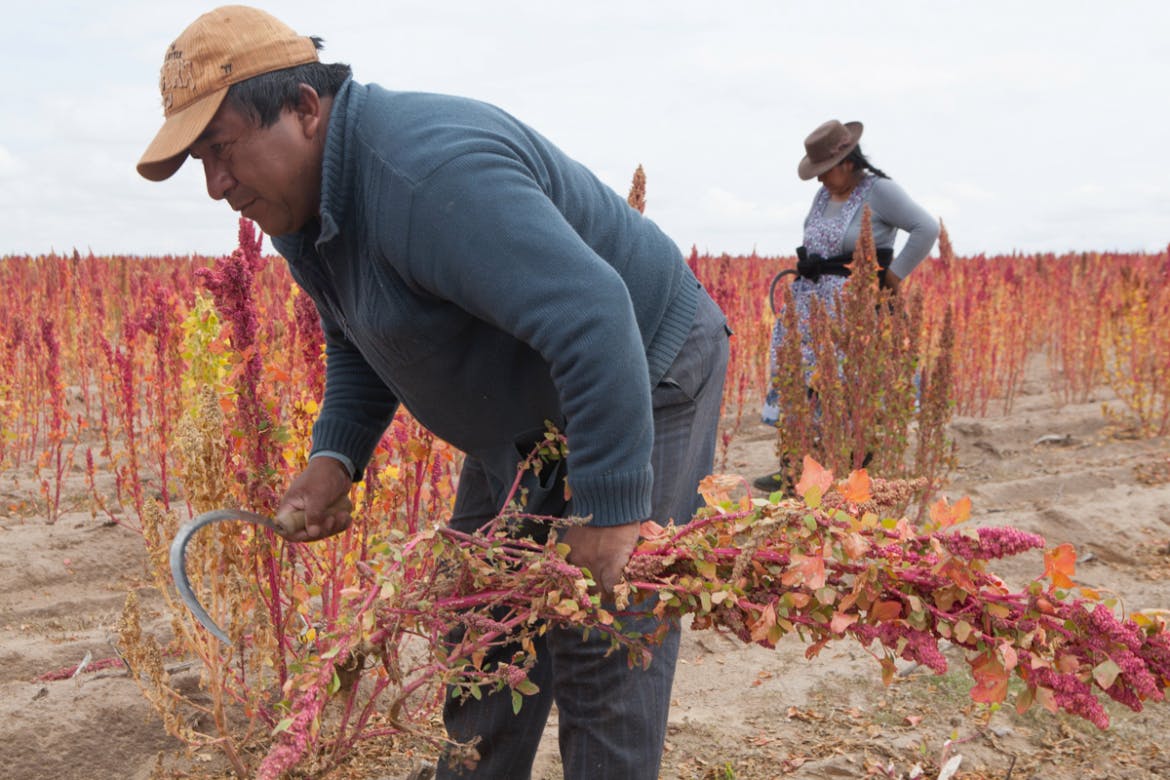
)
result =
(892, 210)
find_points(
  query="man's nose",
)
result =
(219, 180)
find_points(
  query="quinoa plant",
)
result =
(833, 565)
(343, 640)
(245, 430)
(740, 285)
(995, 331)
(158, 324)
(1138, 362)
(637, 196)
(1078, 300)
(128, 382)
(57, 455)
(868, 390)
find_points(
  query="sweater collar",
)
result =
(336, 171)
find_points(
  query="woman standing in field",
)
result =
(849, 182)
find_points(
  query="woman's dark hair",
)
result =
(860, 163)
(263, 97)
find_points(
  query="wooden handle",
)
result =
(291, 522)
(294, 520)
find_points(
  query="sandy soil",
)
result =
(739, 712)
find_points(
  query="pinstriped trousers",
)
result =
(612, 719)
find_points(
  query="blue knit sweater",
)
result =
(466, 268)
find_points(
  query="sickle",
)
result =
(179, 559)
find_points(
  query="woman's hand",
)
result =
(890, 280)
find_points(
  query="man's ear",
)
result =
(309, 110)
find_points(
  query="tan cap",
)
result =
(220, 48)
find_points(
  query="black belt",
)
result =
(814, 266)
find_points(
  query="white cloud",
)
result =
(727, 205)
(1001, 117)
(10, 167)
(970, 191)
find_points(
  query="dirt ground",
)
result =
(1068, 473)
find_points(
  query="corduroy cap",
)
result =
(223, 47)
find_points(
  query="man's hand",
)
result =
(317, 503)
(603, 550)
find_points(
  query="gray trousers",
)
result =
(612, 718)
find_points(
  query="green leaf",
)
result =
(963, 631)
(282, 726)
(917, 620)
(1106, 672)
(776, 631)
(1024, 700)
(517, 702)
(528, 688)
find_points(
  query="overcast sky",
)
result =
(1029, 125)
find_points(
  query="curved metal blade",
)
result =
(179, 559)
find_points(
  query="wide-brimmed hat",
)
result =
(220, 48)
(828, 145)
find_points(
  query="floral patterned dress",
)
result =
(824, 236)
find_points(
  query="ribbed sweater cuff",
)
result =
(355, 442)
(613, 499)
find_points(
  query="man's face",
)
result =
(271, 175)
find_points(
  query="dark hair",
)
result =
(263, 97)
(860, 163)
